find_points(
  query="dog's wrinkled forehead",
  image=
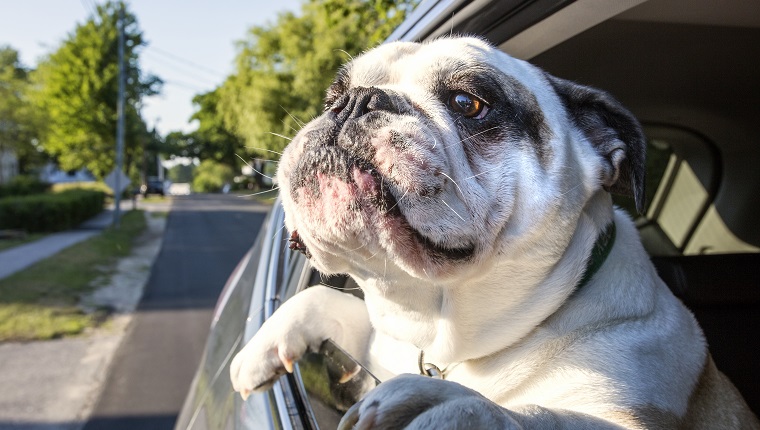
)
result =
(412, 63)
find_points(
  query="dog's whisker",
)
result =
(265, 160)
(355, 249)
(279, 135)
(347, 54)
(398, 201)
(253, 168)
(339, 288)
(268, 150)
(474, 135)
(461, 193)
(372, 256)
(278, 231)
(260, 192)
(252, 315)
(298, 121)
(479, 133)
(482, 173)
(572, 189)
(452, 210)
(426, 274)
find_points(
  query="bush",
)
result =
(23, 185)
(50, 212)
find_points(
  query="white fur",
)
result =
(505, 320)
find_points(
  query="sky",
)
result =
(191, 43)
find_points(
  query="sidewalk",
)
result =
(20, 257)
(54, 385)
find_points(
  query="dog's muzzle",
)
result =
(339, 143)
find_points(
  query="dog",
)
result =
(468, 193)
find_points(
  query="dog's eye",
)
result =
(468, 105)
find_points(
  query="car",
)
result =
(153, 186)
(686, 68)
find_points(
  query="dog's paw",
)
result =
(272, 352)
(419, 402)
(301, 324)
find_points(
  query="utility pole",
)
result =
(119, 123)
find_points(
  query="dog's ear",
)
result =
(615, 134)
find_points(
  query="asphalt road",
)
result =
(205, 237)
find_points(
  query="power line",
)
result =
(196, 66)
(88, 7)
(185, 85)
(184, 73)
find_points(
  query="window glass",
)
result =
(333, 381)
(681, 205)
(683, 177)
(330, 381)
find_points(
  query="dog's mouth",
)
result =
(371, 191)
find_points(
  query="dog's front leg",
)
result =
(300, 324)
(413, 402)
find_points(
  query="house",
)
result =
(54, 175)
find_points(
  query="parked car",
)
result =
(687, 68)
(153, 186)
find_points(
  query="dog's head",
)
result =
(441, 156)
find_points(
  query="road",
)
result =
(205, 237)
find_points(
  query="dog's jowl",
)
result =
(468, 194)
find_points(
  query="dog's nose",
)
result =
(360, 101)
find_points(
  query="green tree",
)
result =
(181, 173)
(19, 121)
(78, 88)
(211, 176)
(212, 140)
(282, 70)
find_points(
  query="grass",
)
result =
(154, 198)
(11, 243)
(42, 301)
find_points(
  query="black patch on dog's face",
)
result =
(514, 114)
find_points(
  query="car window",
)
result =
(329, 380)
(332, 382)
(683, 177)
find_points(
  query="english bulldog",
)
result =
(468, 194)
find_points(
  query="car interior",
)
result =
(688, 70)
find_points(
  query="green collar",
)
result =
(599, 254)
